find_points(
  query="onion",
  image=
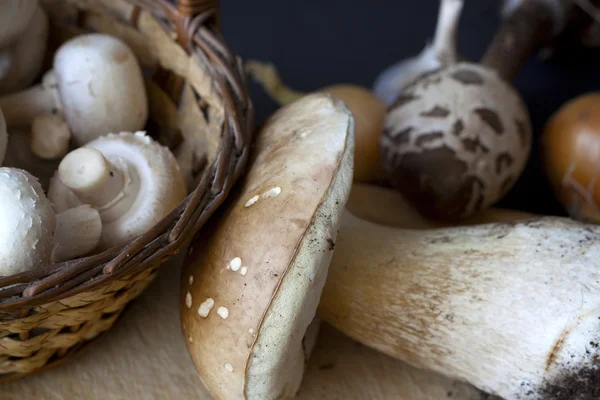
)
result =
(571, 155)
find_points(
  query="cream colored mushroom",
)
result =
(31, 235)
(15, 16)
(260, 267)
(510, 307)
(131, 179)
(21, 62)
(96, 85)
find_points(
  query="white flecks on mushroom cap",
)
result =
(15, 16)
(235, 264)
(3, 137)
(252, 200)
(458, 138)
(229, 367)
(188, 300)
(272, 192)
(151, 167)
(27, 222)
(223, 312)
(101, 86)
(22, 61)
(205, 307)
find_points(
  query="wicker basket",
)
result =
(197, 91)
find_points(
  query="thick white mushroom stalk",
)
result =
(442, 51)
(512, 308)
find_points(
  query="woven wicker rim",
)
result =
(197, 25)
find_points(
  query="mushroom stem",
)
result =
(444, 41)
(528, 25)
(93, 178)
(509, 307)
(21, 108)
(77, 233)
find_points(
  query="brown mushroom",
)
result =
(456, 140)
(248, 303)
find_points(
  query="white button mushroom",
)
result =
(442, 51)
(3, 137)
(285, 241)
(29, 235)
(22, 61)
(131, 179)
(96, 85)
(15, 16)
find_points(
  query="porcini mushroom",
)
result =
(131, 179)
(457, 139)
(368, 112)
(3, 137)
(15, 16)
(250, 290)
(96, 85)
(511, 308)
(442, 51)
(22, 61)
(29, 234)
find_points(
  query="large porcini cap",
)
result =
(251, 288)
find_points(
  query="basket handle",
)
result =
(190, 8)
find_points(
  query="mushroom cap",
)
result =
(161, 186)
(23, 60)
(251, 288)
(3, 137)
(15, 16)
(456, 140)
(28, 222)
(101, 87)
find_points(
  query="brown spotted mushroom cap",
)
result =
(456, 140)
(251, 286)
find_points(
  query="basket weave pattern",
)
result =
(198, 94)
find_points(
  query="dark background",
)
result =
(315, 43)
